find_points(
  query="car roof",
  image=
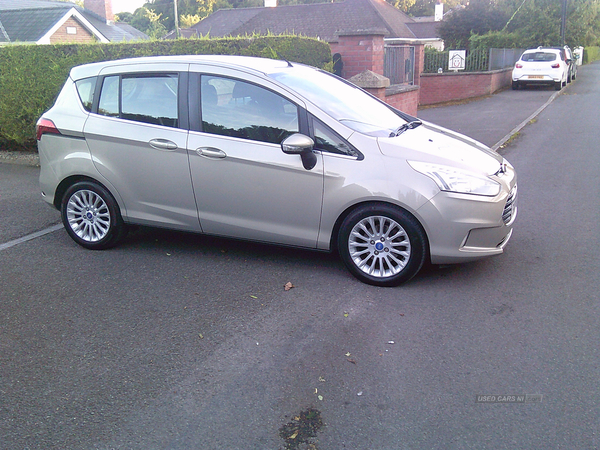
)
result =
(249, 63)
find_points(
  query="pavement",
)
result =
(492, 120)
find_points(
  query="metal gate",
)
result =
(399, 64)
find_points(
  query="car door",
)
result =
(137, 134)
(245, 185)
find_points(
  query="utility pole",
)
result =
(177, 35)
(563, 22)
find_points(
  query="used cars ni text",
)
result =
(268, 151)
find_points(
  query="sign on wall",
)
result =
(457, 59)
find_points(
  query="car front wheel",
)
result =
(382, 245)
(91, 216)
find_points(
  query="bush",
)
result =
(591, 54)
(31, 76)
(496, 39)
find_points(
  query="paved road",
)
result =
(173, 341)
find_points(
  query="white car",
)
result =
(541, 66)
(268, 151)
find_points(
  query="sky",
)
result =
(126, 5)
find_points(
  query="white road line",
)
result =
(31, 236)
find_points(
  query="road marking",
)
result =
(522, 125)
(31, 236)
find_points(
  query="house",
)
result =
(51, 22)
(378, 47)
(326, 21)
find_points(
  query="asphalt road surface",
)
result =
(176, 341)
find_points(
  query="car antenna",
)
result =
(283, 59)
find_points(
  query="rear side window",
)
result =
(85, 89)
(141, 98)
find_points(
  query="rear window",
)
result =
(538, 56)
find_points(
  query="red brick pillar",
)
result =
(360, 52)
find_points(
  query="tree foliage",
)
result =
(527, 23)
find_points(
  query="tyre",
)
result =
(91, 216)
(515, 85)
(382, 245)
(557, 85)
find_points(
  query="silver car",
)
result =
(269, 151)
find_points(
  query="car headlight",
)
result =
(456, 180)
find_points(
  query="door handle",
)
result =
(163, 144)
(211, 152)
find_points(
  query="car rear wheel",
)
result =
(515, 85)
(382, 245)
(558, 85)
(91, 216)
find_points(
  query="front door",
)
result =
(245, 185)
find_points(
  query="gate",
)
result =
(399, 64)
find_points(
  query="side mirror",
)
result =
(299, 144)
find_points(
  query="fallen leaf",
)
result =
(320, 397)
(391, 342)
(402, 315)
(288, 286)
(346, 314)
(348, 354)
(253, 296)
(293, 436)
(322, 380)
(200, 336)
(351, 361)
(360, 393)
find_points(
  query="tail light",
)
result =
(555, 66)
(45, 126)
(519, 66)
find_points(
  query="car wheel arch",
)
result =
(370, 203)
(69, 181)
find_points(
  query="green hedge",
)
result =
(591, 54)
(31, 76)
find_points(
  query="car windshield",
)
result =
(538, 56)
(342, 101)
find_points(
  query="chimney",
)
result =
(439, 11)
(103, 8)
(270, 3)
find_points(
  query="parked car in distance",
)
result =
(268, 151)
(572, 60)
(541, 66)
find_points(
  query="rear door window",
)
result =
(141, 98)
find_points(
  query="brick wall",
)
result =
(445, 87)
(405, 99)
(360, 53)
(81, 35)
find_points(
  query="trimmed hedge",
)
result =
(31, 76)
(591, 54)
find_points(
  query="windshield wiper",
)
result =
(407, 126)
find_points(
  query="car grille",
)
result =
(510, 208)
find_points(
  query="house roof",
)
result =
(323, 20)
(32, 20)
(425, 30)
